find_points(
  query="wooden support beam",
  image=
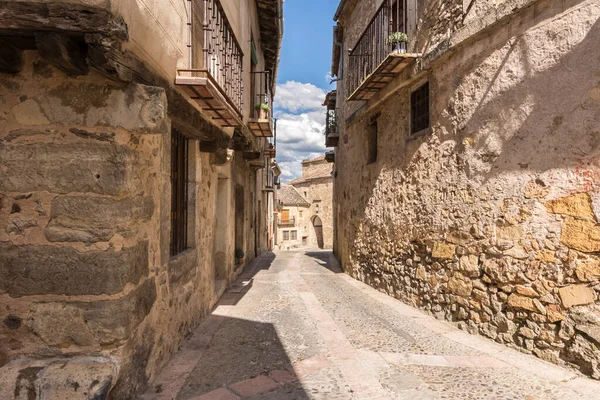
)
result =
(64, 52)
(11, 58)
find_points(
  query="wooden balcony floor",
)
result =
(261, 127)
(210, 98)
(393, 65)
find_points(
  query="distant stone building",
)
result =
(467, 166)
(309, 200)
(293, 211)
(136, 157)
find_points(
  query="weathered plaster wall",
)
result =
(491, 219)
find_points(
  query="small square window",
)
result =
(294, 235)
(419, 109)
(286, 235)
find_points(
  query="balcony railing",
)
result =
(261, 121)
(287, 222)
(373, 62)
(215, 79)
(331, 124)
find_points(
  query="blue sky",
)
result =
(306, 52)
(303, 82)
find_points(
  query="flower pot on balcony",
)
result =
(263, 111)
(398, 41)
(399, 47)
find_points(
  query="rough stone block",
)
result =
(577, 205)
(61, 379)
(581, 235)
(95, 219)
(521, 302)
(511, 233)
(64, 168)
(587, 270)
(36, 270)
(443, 250)
(554, 313)
(76, 379)
(182, 268)
(136, 108)
(106, 321)
(576, 295)
(460, 287)
(29, 113)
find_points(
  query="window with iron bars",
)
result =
(179, 192)
(419, 109)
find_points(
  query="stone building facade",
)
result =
(467, 165)
(293, 214)
(132, 167)
(315, 215)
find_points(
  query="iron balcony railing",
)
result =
(261, 95)
(288, 221)
(331, 127)
(373, 46)
(221, 57)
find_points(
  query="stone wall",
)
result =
(319, 192)
(87, 283)
(491, 218)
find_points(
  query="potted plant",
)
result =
(263, 109)
(398, 41)
(239, 256)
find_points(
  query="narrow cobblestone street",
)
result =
(293, 326)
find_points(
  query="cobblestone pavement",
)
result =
(294, 327)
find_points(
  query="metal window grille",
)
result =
(286, 235)
(294, 235)
(179, 192)
(419, 109)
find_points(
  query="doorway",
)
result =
(318, 228)
(222, 257)
(239, 218)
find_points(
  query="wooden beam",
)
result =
(11, 58)
(64, 52)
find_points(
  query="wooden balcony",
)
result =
(290, 221)
(215, 81)
(261, 122)
(373, 63)
(210, 97)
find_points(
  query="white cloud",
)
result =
(296, 96)
(300, 126)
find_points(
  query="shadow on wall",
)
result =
(508, 113)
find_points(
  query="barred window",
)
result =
(419, 109)
(286, 235)
(179, 192)
(294, 235)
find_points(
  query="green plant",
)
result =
(397, 37)
(263, 106)
(239, 253)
